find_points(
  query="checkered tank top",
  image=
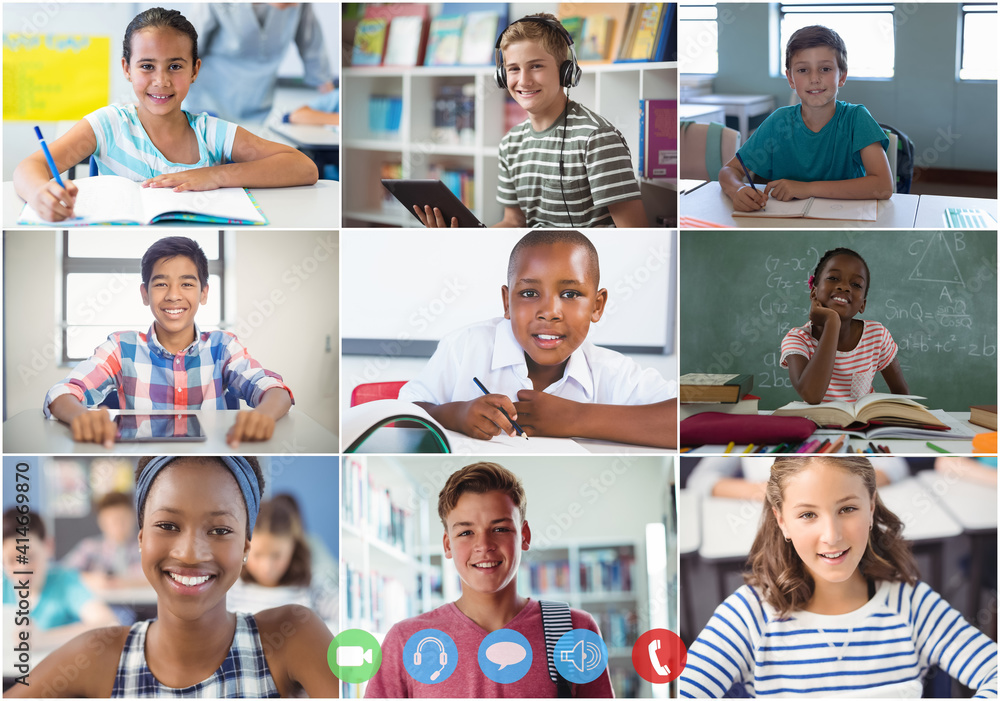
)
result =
(243, 674)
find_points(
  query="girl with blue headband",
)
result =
(196, 517)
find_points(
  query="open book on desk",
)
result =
(397, 426)
(953, 430)
(817, 208)
(872, 413)
(112, 199)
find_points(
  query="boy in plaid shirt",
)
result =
(173, 365)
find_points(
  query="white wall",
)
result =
(289, 336)
(285, 308)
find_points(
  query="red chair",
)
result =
(371, 391)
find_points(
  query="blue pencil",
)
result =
(520, 431)
(48, 157)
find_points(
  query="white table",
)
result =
(974, 507)
(30, 433)
(930, 210)
(305, 207)
(701, 113)
(403, 440)
(743, 107)
(307, 135)
(711, 204)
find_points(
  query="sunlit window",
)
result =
(101, 279)
(867, 30)
(698, 37)
(979, 42)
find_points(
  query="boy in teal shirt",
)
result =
(822, 147)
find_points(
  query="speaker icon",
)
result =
(580, 656)
(585, 656)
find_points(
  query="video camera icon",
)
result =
(353, 656)
(581, 656)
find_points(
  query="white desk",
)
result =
(400, 440)
(710, 203)
(930, 210)
(308, 135)
(30, 433)
(305, 207)
(701, 113)
(743, 107)
(974, 507)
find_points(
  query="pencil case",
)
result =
(716, 427)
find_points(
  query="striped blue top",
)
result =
(124, 148)
(881, 650)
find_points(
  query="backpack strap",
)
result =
(556, 621)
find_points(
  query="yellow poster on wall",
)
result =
(51, 77)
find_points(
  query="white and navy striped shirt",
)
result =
(882, 650)
(124, 148)
(597, 171)
(854, 370)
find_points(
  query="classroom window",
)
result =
(979, 42)
(867, 29)
(100, 287)
(698, 37)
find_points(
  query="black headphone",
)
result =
(569, 71)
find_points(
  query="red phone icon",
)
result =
(659, 656)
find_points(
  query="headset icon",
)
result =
(442, 658)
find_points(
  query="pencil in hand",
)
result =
(520, 431)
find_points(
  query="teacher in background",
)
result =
(241, 46)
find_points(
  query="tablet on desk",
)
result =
(434, 193)
(149, 428)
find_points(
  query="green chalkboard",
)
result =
(936, 292)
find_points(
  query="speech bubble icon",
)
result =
(505, 653)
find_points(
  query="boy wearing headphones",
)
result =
(565, 166)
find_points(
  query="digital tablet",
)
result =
(434, 193)
(147, 428)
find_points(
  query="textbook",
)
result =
(479, 37)
(112, 199)
(875, 409)
(369, 42)
(398, 426)
(984, 415)
(817, 208)
(706, 387)
(445, 41)
(658, 138)
(406, 42)
(748, 406)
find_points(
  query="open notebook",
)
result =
(817, 208)
(364, 425)
(112, 199)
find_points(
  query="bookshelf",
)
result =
(613, 90)
(606, 578)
